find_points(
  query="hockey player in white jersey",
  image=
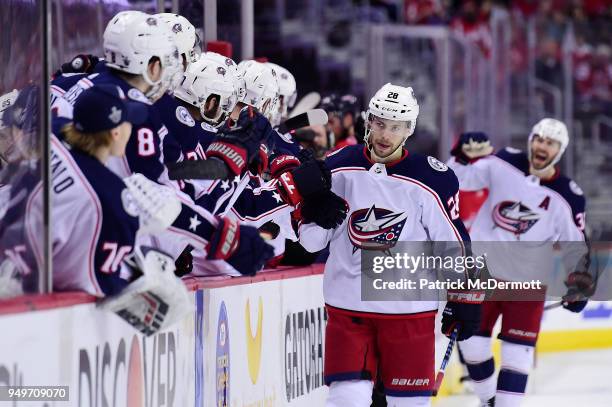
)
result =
(529, 201)
(391, 339)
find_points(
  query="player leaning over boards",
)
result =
(381, 179)
(529, 200)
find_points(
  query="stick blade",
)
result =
(438, 383)
(309, 101)
(317, 117)
(310, 118)
(210, 169)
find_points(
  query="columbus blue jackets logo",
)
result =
(514, 217)
(375, 228)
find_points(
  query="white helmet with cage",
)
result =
(185, 35)
(551, 129)
(261, 87)
(233, 67)
(206, 80)
(132, 38)
(287, 93)
(394, 102)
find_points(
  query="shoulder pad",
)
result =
(429, 171)
(436, 164)
(514, 157)
(183, 116)
(349, 156)
(570, 191)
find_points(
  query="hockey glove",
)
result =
(310, 178)
(82, 63)
(239, 245)
(283, 163)
(156, 299)
(325, 209)
(580, 286)
(184, 262)
(238, 145)
(156, 206)
(471, 146)
(463, 309)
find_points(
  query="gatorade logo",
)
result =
(254, 341)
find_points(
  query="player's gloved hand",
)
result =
(261, 161)
(580, 286)
(82, 63)
(240, 245)
(237, 145)
(281, 163)
(184, 262)
(325, 209)
(462, 309)
(470, 146)
(311, 177)
(155, 298)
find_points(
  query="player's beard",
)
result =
(386, 152)
(540, 160)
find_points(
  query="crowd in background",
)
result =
(591, 20)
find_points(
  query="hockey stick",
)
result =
(447, 355)
(553, 306)
(200, 169)
(309, 101)
(244, 181)
(310, 118)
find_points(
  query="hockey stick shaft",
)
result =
(198, 169)
(231, 200)
(553, 306)
(447, 355)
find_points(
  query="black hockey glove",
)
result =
(184, 262)
(82, 63)
(310, 178)
(324, 208)
(471, 146)
(462, 311)
(238, 145)
(580, 286)
(239, 245)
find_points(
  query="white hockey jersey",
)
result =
(94, 224)
(414, 199)
(528, 213)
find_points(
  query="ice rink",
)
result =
(568, 379)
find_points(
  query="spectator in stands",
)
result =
(548, 63)
(421, 12)
(472, 23)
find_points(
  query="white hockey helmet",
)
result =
(552, 129)
(394, 102)
(287, 92)
(185, 35)
(132, 38)
(261, 87)
(205, 79)
(233, 67)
